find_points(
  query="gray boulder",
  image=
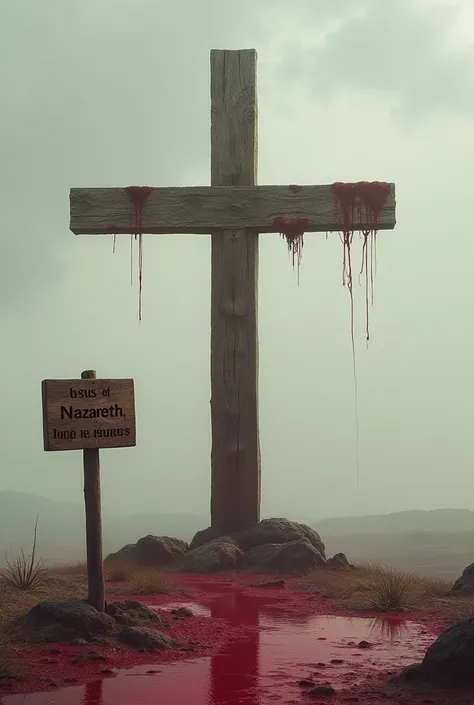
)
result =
(124, 554)
(151, 552)
(149, 639)
(449, 660)
(217, 555)
(56, 621)
(465, 584)
(203, 537)
(293, 557)
(338, 562)
(132, 612)
(273, 531)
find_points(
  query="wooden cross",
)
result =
(233, 210)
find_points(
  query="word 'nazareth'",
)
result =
(105, 412)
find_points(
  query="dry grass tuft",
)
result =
(390, 590)
(455, 609)
(23, 573)
(79, 568)
(14, 603)
(150, 582)
(376, 587)
(119, 571)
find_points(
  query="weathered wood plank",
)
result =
(204, 209)
(235, 454)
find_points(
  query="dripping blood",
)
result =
(138, 196)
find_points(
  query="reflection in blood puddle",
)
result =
(281, 645)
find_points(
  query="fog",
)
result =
(116, 92)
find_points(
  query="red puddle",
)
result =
(258, 644)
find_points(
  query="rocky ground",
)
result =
(48, 642)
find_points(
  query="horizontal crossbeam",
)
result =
(205, 209)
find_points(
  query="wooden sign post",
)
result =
(89, 414)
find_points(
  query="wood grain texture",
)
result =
(93, 509)
(204, 209)
(235, 454)
(72, 406)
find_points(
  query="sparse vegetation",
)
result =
(79, 568)
(376, 587)
(9, 667)
(391, 591)
(150, 582)
(25, 573)
(119, 571)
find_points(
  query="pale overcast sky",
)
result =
(116, 92)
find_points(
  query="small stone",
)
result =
(147, 639)
(337, 661)
(269, 584)
(182, 612)
(107, 671)
(78, 642)
(87, 656)
(322, 638)
(321, 691)
(364, 645)
(70, 679)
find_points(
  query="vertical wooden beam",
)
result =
(95, 567)
(235, 455)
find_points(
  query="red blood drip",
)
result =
(293, 231)
(358, 203)
(138, 196)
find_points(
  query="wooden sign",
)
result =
(88, 413)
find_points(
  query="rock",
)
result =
(132, 612)
(56, 621)
(294, 557)
(272, 531)
(182, 612)
(410, 673)
(364, 645)
(148, 639)
(87, 656)
(203, 537)
(465, 584)
(339, 562)
(151, 552)
(219, 554)
(124, 554)
(321, 691)
(269, 584)
(159, 551)
(448, 661)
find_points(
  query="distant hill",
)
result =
(440, 520)
(438, 543)
(61, 527)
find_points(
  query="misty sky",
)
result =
(116, 92)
